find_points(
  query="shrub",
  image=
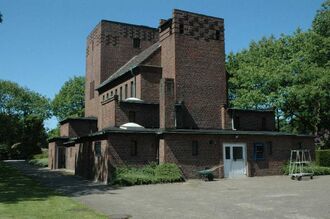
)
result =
(43, 162)
(318, 170)
(168, 172)
(149, 174)
(322, 158)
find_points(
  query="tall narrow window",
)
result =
(217, 34)
(259, 150)
(97, 148)
(131, 116)
(133, 148)
(132, 89)
(111, 94)
(263, 123)
(136, 43)
(116, 93)
(120, 93)
(194, 148)
(236, 122)
(91, 90)
(126, 91)
(181, 30)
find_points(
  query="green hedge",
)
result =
(322, 158)
(149, 174)
(43, 162)
(318, 170)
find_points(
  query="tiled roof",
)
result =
(132, 63)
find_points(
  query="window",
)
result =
(133, 148)
(97, 148)
(91, 90)
(120, 93)
(126, 91)
(259, 151)
(111, 94)
(270, 148)
(132, 89)
(103, 97)
(116, 93)
(181, 30)
(263, 123)
(131, 116)
(236, 122)
(227, 153)
(237, 153)
(107, 95)
(136, 43)
(194, 148)
(217, 34)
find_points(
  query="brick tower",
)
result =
(193, 56)
(109, 46)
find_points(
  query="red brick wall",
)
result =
(197, 62)
(250, 120)
(146, 115)
(178, 149)
(109, 46)
(51, 155)
(74, 128)
(70, 157)
(150, 86)
(120, 149)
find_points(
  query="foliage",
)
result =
(22, 113)
(22, 102)
(69, 102)
(43, 162)
(55, 132)
(21, 197)
(321, 22)
(322, 158)
(149, 174)
(290, 74)
(318, 170)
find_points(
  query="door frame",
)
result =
(233, 144)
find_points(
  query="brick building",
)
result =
(160, 95)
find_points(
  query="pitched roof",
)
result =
(132, 63)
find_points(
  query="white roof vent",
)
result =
(133, 100)
(131, 126)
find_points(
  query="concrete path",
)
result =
(257, 197)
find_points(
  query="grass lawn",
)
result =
(21, 197)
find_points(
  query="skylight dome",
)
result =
(131, 126)
(133, 100)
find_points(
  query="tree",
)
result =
(321, 22)
(22, 113)
(290, 74)
(70, 100)
(16, 100)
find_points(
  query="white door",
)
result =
(234, 159)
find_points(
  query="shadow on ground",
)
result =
(61, 181)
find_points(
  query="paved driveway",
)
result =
(257, 197)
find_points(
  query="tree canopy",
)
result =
(22, 102)
(70, 100)
(290, 74)
(22, 113)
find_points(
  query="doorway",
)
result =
(234, 159)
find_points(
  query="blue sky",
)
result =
(42, 42)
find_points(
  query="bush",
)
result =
(168, 172)
(39, 162)
(318, 170)
(149, 174)
(322, 158)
